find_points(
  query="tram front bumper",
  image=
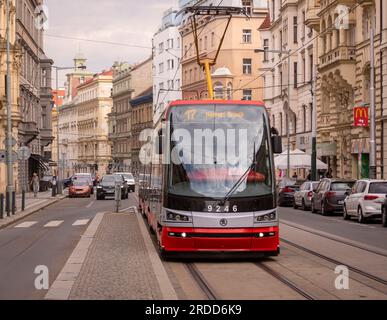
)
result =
(257, 240)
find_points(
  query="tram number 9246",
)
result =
(221, 209)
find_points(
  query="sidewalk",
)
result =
(43, 200)
(115, 259)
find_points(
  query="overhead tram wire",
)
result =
(178, 67)
(122, 44)
(300, 48)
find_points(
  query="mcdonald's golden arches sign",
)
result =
(360, 115)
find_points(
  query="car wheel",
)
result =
(303, 205)
(323, 211)
(294, 204)
(312, 208)
(384, 218)
(360, 216)
(345, 213)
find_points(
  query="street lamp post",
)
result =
(59, 177)
(288, 52)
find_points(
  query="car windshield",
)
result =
(378, 187)
(111, 179)
(128, 176)
(341, 186)
(315, 185)
(80, 183)
(219, 149)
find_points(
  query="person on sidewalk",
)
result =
(35, 184)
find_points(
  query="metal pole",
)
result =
(372, 168)
(288, 120)
(59, 178)
(10, 187)
(314, 125)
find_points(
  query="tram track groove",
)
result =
(285, 281)
(202, 282)
(336, 262)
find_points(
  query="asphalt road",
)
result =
(31, 242)
(371, 233)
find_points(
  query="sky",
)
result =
(127, 22)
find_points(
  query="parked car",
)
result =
(365, 200)
(86, 176)
(303, 197)
(330, 195)
(129, 180)
(384, 213)
(45, 183)
(80, 188)
(286, 194)
(107, 187)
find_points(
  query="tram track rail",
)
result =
(202, 282)
(336, 262)
(285, 281)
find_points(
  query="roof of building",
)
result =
(144, 97)
(266, 23)
(103, 73)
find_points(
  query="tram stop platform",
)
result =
(114, 260)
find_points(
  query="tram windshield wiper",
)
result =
(239, 182)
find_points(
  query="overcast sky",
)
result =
(131, 22)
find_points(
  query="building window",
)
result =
(285, 32)
(295, 75)
(246, 4)
(246, 66)
(311, 67)
(218, 91)
(161, 67)
(295, 29)
(170, 43)
(266, 48)
(212, 39)
(161, 85)
(171, 64)
(247, 95)
(229, 91)
(246, 36)
(161, 47)
(303, 24)
(205, 43)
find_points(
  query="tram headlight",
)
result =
(177, 217)
(272, 216)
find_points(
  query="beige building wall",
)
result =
(344, 83)
(15, 69)
(94, 103)
(230, 81)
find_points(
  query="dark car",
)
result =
(107, 186)
(45, 183)
(286, 195)
(330, 195)
(67, 182)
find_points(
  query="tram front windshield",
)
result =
(219, 150)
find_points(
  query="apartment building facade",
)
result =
(288, 78)
(236, 73)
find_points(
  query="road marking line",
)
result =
(26, 224)
(81, 222)
(165, 284)
(90, 204)
(63, 284)
(53, 224)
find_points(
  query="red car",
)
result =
(79, 188)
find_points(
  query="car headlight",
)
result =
(177, 217)
(272, 216)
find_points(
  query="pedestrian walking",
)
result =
(309, 177)
(35, 184)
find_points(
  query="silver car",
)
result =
(129, 180)
(303, 197)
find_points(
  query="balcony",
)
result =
(338, 55)
(46, 137)
(29, 131)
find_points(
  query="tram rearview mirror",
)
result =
(159, 144)
(276, 142)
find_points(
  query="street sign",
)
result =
(14, 142)
(3, 156)
(24, 153)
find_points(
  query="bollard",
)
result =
(54, 186)
(13, 203)
(23, 206)
(1, 206)
(7, 208)
(117, 196)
